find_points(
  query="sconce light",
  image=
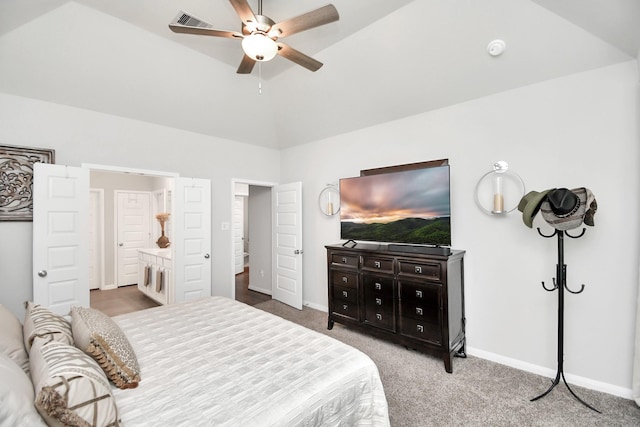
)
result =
(329, 200)
(504, 185)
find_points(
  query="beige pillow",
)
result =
(11, 340)
(70, 388)
(41, 322)
(100, 337)
(16, 396)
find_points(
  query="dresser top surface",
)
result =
(384, 248)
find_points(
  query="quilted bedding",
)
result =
(218, 362)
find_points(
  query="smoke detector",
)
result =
(496, 48)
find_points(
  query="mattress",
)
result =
(220, 362)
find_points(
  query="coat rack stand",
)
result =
(560, 284)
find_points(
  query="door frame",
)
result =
(100, 238)
(250, 182)
(126, 170)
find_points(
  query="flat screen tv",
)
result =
(412, 207)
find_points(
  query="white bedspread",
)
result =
(219, 362)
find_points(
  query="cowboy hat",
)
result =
(530, 204)
(565, 209)
(592, 207)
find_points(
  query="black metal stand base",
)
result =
(560, 284)
(555, 382)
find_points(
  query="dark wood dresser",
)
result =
(413, 299)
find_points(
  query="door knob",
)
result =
(120, 244)
(42, 273)
(206, 256)
(297, 251)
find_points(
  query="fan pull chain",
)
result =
(260, 78)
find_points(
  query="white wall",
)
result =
(581, 130)
(82, 136)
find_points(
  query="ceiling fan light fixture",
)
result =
(259, 46)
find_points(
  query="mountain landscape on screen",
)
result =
(399, 207)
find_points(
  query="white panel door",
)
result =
(238, 233)
(287, 238)
(192, 238)
(133, 232)
(60, 237)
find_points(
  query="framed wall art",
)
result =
(16, 180)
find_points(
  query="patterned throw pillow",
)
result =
(101, 338)
(70, 388)
(41, 322)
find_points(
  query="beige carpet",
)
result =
(477, 393)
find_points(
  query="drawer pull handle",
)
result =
(420, 328)
(345, 294)
(378, 316)
(419, 311)
(344, 260)
(345, 307)
(379, 301)
(344, 279)
(377, 264)
(418, 269)
(378, 286)
(418, 294)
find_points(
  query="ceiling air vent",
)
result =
(188, 20)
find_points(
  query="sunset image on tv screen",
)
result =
(404, 207)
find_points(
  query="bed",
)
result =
(218, 362)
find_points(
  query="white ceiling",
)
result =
(384, 60)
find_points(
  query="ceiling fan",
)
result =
(260, 33)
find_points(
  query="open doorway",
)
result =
(191, 213)
(252, 241)
(274, 240)
(125, 211)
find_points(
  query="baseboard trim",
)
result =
(259, 289)
(318, 307)
(109, 287)
(626, 393)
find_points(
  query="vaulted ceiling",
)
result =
(383, 60)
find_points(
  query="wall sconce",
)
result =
(502, 184)
(329, 200)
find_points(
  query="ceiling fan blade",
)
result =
(246, 66)
(315, 18)
(185, 23)
(298, 57)
(244, 11)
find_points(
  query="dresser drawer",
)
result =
(344, 278)
(422, 330)
(378, 263)
(430, 271)
(346, 308)
(345, 260)
(382, 285)
(419, 292)
(343, 293)
(380, 313)
(427, 311)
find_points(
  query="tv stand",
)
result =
(412, 299)
(417, 249)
